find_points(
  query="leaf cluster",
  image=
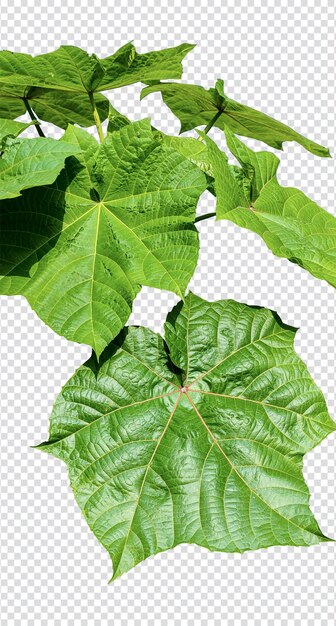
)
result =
(198, 437)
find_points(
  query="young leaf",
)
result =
(196, 106)
(27, 163)
(210, 453)
(292, 225)
(121, 215)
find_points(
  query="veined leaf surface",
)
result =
(195, 106)
(120, 215)
(292, 225)
(196, 440)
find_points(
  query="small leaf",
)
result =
(121, 215)
(27, 163)
(210, 455)
(195, 106)
(292, 225)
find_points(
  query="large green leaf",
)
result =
(196, 106)
(72, 69)
(57, 84)
(119, 216)
(27, 163)
(292, 225)
(210, 453)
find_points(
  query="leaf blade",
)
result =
(196, 106)
(153, 456)
(120, 216)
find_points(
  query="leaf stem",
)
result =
(96, 117)
(33, 118)
(210, 124)
(200, 218)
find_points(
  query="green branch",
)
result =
(96, 117)
(200, 218)
(33, 118)
(210, 124)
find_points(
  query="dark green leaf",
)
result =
(120, 216)
(211, 455)
(196, 106)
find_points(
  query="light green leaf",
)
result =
(195, 106)
(27, 163)
(210, 455)
(292, 225)
(121, 215)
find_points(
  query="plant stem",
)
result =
(200, 218)
(96, 117)
(210, 124)
(33, 118)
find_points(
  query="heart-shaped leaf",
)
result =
(121, 215)
(195, 106)
(199, 440)
(292, 225)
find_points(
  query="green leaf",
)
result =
(292, 225)
(72, 69)
(8, 128)
(121, 215)
(57, 84)
(126, 66)
(209, 454)
(195, 106)
(27, 163)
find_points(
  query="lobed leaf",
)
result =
(57, 84)
(292, 225)
(197, 440)
(120, 215)
(195, 106)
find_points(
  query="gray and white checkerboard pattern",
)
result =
(53, 571)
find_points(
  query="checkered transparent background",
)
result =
(280, 59)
